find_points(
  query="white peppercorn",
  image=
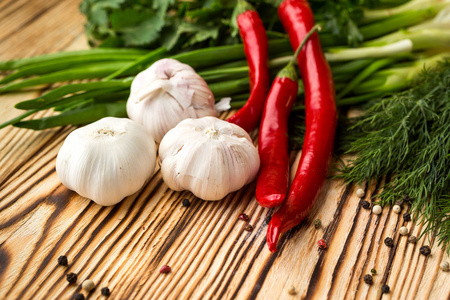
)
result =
(377, 209)
(445, 266)
(360, 193)
(397, 209)
(404, 230)
(88, 285)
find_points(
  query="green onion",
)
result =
(395, 79)
(58, 65)
(429, 7)
(372, 68)
(93, 71)
(80, 116)
(139, 64)
(95, 54)
(54, 95)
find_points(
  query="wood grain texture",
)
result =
(211, 255)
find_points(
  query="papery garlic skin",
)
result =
(209, 157)
(167, 93)
(107, 160)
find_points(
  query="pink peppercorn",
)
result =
(165, 269)
(322, 244)
(244, 217)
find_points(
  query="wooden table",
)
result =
(211, 255)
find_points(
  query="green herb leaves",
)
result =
(177, 24)
(408, 135)
(153, 23)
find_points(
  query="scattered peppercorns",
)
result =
(445, 266)
(373, 271)
(425, 250)
(165, 269)
(78, 297)
(365, 204)
(62, 260)
(360, 193)
(377, 209)
(412, 239)
(244, 217)
(399, 202)
(397, 209)
(88, 285)
(406, 217)
(385, 289)
(368, 279)
(317, 223)
(292, 291)
(403, 230)
(186, 203)
(389, 242)
(105, 292)
(71, 278)
(322, 244)
(248, 227)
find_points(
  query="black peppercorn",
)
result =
(186, 203)
(78, 297)
(71, 278)
(368, 279)
(62, 260)
(425, 250)
(406, 217)
(373, 271)
(365, 204)
(385, 289)
(389, 242)
(412, 239)
(317, 224)
(248, 227)
(400, 202)
(105, 291)
(406, 198)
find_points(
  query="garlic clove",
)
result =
(167, 93)
(107, 160)
(209, 157)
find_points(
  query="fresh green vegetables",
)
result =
(408, 135)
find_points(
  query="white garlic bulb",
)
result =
(209, 157)
(167, 93)
(107, 160)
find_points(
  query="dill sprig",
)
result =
(408, 135)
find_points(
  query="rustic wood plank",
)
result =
(211, 255)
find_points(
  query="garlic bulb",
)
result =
(107, 160)
(167, 93)
(209, 157)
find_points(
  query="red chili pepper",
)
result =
(256, 47)
(321, 118)
(273, 177)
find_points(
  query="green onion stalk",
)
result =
(389, 58)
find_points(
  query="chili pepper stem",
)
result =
(243, 6)
(289, 70)
(316, 27)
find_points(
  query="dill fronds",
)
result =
(408, 135)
